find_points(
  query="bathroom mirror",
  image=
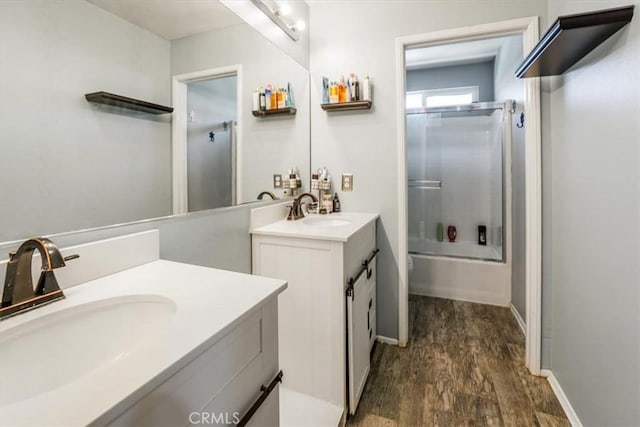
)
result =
(69, 164)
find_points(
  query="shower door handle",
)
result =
(425, 184)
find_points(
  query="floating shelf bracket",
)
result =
(570, 38)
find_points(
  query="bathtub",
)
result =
(468, 272)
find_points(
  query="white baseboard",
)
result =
(519, 319)
(386, 340)
(562, 398)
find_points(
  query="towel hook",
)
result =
(520, 124)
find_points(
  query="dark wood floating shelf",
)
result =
(289, 111)
(570, 38)
(128, 103)
(346, 106)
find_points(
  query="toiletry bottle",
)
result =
(342, 94)
(366, 89)
(325, 90)
(327, 203)
(333, 93)
(353, 95)
(357, 96)
(256, 100)
(336, 203)
(348, 88)
(292, 102)
(281, 98)
(274, 99)
(263, 101)
(440, 232)
(267, 96)
(482, 235)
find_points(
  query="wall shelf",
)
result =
(346, 106)
(289, 111)
(570, 38)
(128, 103)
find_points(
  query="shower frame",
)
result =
(508, 108)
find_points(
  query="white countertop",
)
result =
(208, 303)
(300, 229)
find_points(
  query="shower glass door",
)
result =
(455, 160)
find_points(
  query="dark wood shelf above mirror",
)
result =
(571, 38)
(346, 106)
(289, 111)
(128, 103)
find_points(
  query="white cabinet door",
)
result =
(358, 339)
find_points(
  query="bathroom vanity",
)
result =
(156, 344)
(317, 256)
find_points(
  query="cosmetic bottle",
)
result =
(327, 203)
(440, 232)
(353, 87)
(482, 235)
(325, 90)
(342, 94)
(274, 99)
(267, 97)
(333, 93)
(336, 203)
(281, 102)
(366, 89)
(256, 100)
(263, 101)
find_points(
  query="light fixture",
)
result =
(283, 10)
(277, 17)
(299, 25)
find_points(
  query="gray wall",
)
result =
(365, 143)
(479, 74)
(217, 238)
(507, 86)
(64, 162)
(209, 163)
(595, 144)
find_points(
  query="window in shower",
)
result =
(442, 97)
(455, 158)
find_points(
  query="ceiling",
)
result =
(454, 54)
(172, 19)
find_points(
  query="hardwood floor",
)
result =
(464, 366)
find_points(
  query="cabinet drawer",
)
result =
(203, 381)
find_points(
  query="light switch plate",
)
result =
(347, 182)
(277, 181)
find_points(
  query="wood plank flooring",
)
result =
(464, 366)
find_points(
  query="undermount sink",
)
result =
(326, 222)
(66, 345)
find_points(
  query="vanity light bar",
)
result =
(289, 30)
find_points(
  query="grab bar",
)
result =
(266, 390)
(364, 268)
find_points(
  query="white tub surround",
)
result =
(132, 348)
(317, 255)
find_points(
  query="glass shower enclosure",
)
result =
(456, 180)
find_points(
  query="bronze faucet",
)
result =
(267, 193)
(18, 294)
(295, 211)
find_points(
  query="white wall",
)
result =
(507, 86)
(66, 164)
(365, 142)
(270, 145)
(595, 148)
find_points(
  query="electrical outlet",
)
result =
(277, 181)
(347, 182)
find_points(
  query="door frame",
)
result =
(528, 28)
(179, 175)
